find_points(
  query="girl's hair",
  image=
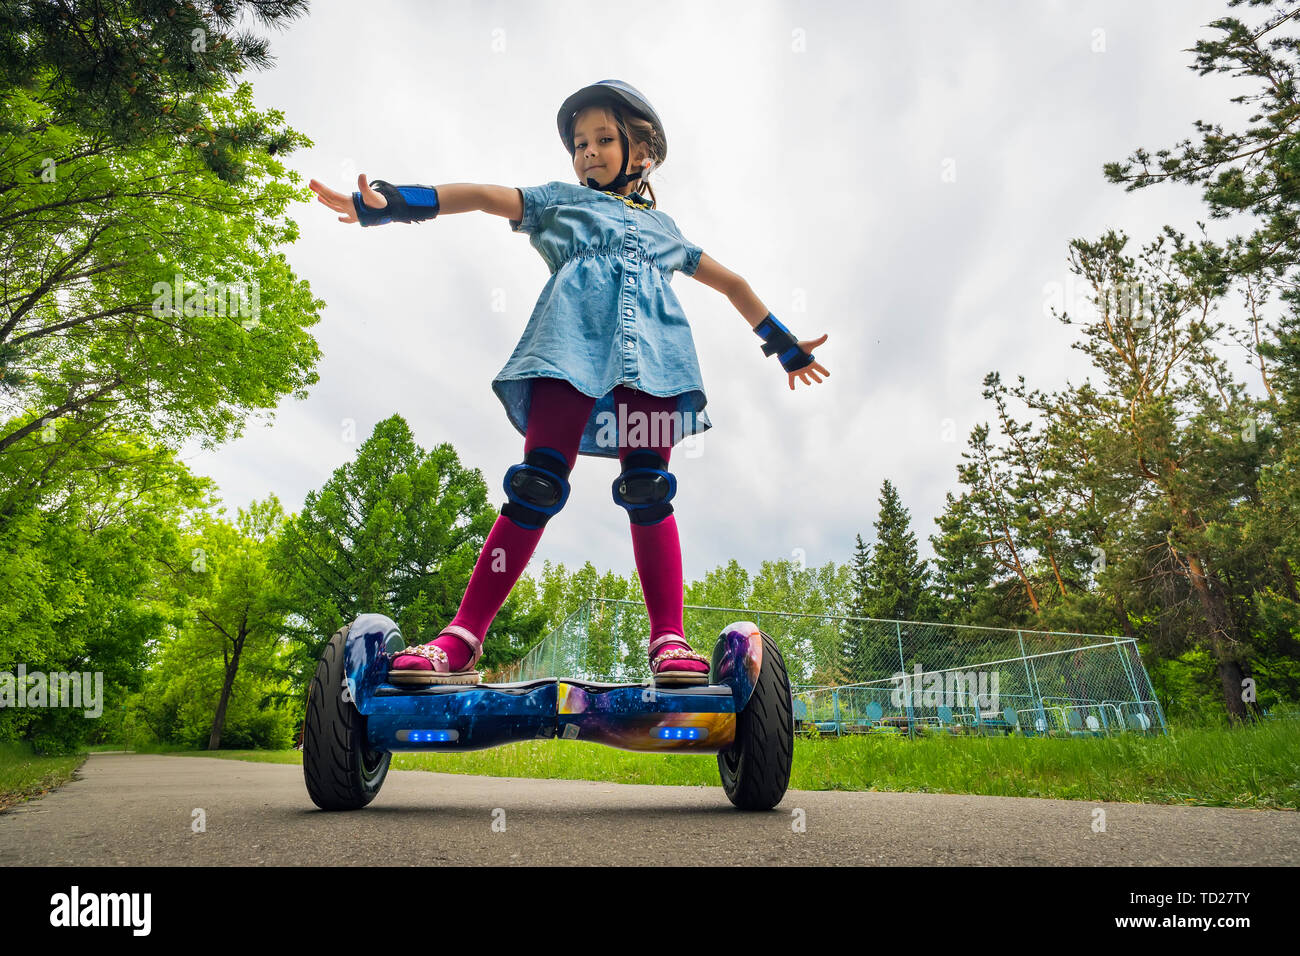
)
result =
(640, 133)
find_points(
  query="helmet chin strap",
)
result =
(623, 178)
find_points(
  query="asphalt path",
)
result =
(139, 809)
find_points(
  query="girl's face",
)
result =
(598, 148)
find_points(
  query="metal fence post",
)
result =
(1024, 659)
(902, 666)
(586, 634)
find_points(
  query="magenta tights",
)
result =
(556, 419)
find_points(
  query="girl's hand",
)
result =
(341, 202)
(812, 369)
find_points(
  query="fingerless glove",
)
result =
(405, 204)
(778, 340)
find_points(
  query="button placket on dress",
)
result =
(577, 234)
(627, 307)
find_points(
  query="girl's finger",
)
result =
(325, 194)
(339, 206)
(371, 198)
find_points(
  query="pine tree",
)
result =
(1232, 512)
(964, 569)
(853, 651)
(896, 579)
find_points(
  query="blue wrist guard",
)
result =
(405, 204)
(778, 340)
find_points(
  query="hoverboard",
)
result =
(356, 720)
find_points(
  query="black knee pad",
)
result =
(645, 487)
(537, 489)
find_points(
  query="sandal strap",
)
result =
(663, 639)
(435, 654)
(475, 645)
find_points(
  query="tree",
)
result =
(896, 579)
(234, 610)
(964, 566)
(1172, 406)
(141, 289)
(1040, 512)
(855, 657)
(396, 531)
(727, 586)
(132, 71)
(77, 588)
(1256, 171)
(991, 507)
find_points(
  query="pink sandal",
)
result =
(677, 665)
(428, 663)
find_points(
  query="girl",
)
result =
(606, 366)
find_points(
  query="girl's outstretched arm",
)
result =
(452, 198)
(717, 276)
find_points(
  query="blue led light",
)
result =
(428, 736)
(678, 733)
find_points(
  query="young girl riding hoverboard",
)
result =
(606, 356)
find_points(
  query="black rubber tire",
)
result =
(341, 773)
(756, 768)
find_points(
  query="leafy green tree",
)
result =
(727, 586)
(804, 599)
(141, 289)
(185, 687)
(396, 531)
(77, 589)
(234, 611)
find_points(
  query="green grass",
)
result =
(24, 775)
(1256, 767)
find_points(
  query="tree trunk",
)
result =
(1051, 556)
(1289, 576)
(219, 721)
(1121, 612)
(1222, 642)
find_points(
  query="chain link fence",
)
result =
(860, 675)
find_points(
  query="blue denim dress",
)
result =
(607, 315)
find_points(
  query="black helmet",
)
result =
(609, 93)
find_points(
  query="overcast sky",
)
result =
(910, 174)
